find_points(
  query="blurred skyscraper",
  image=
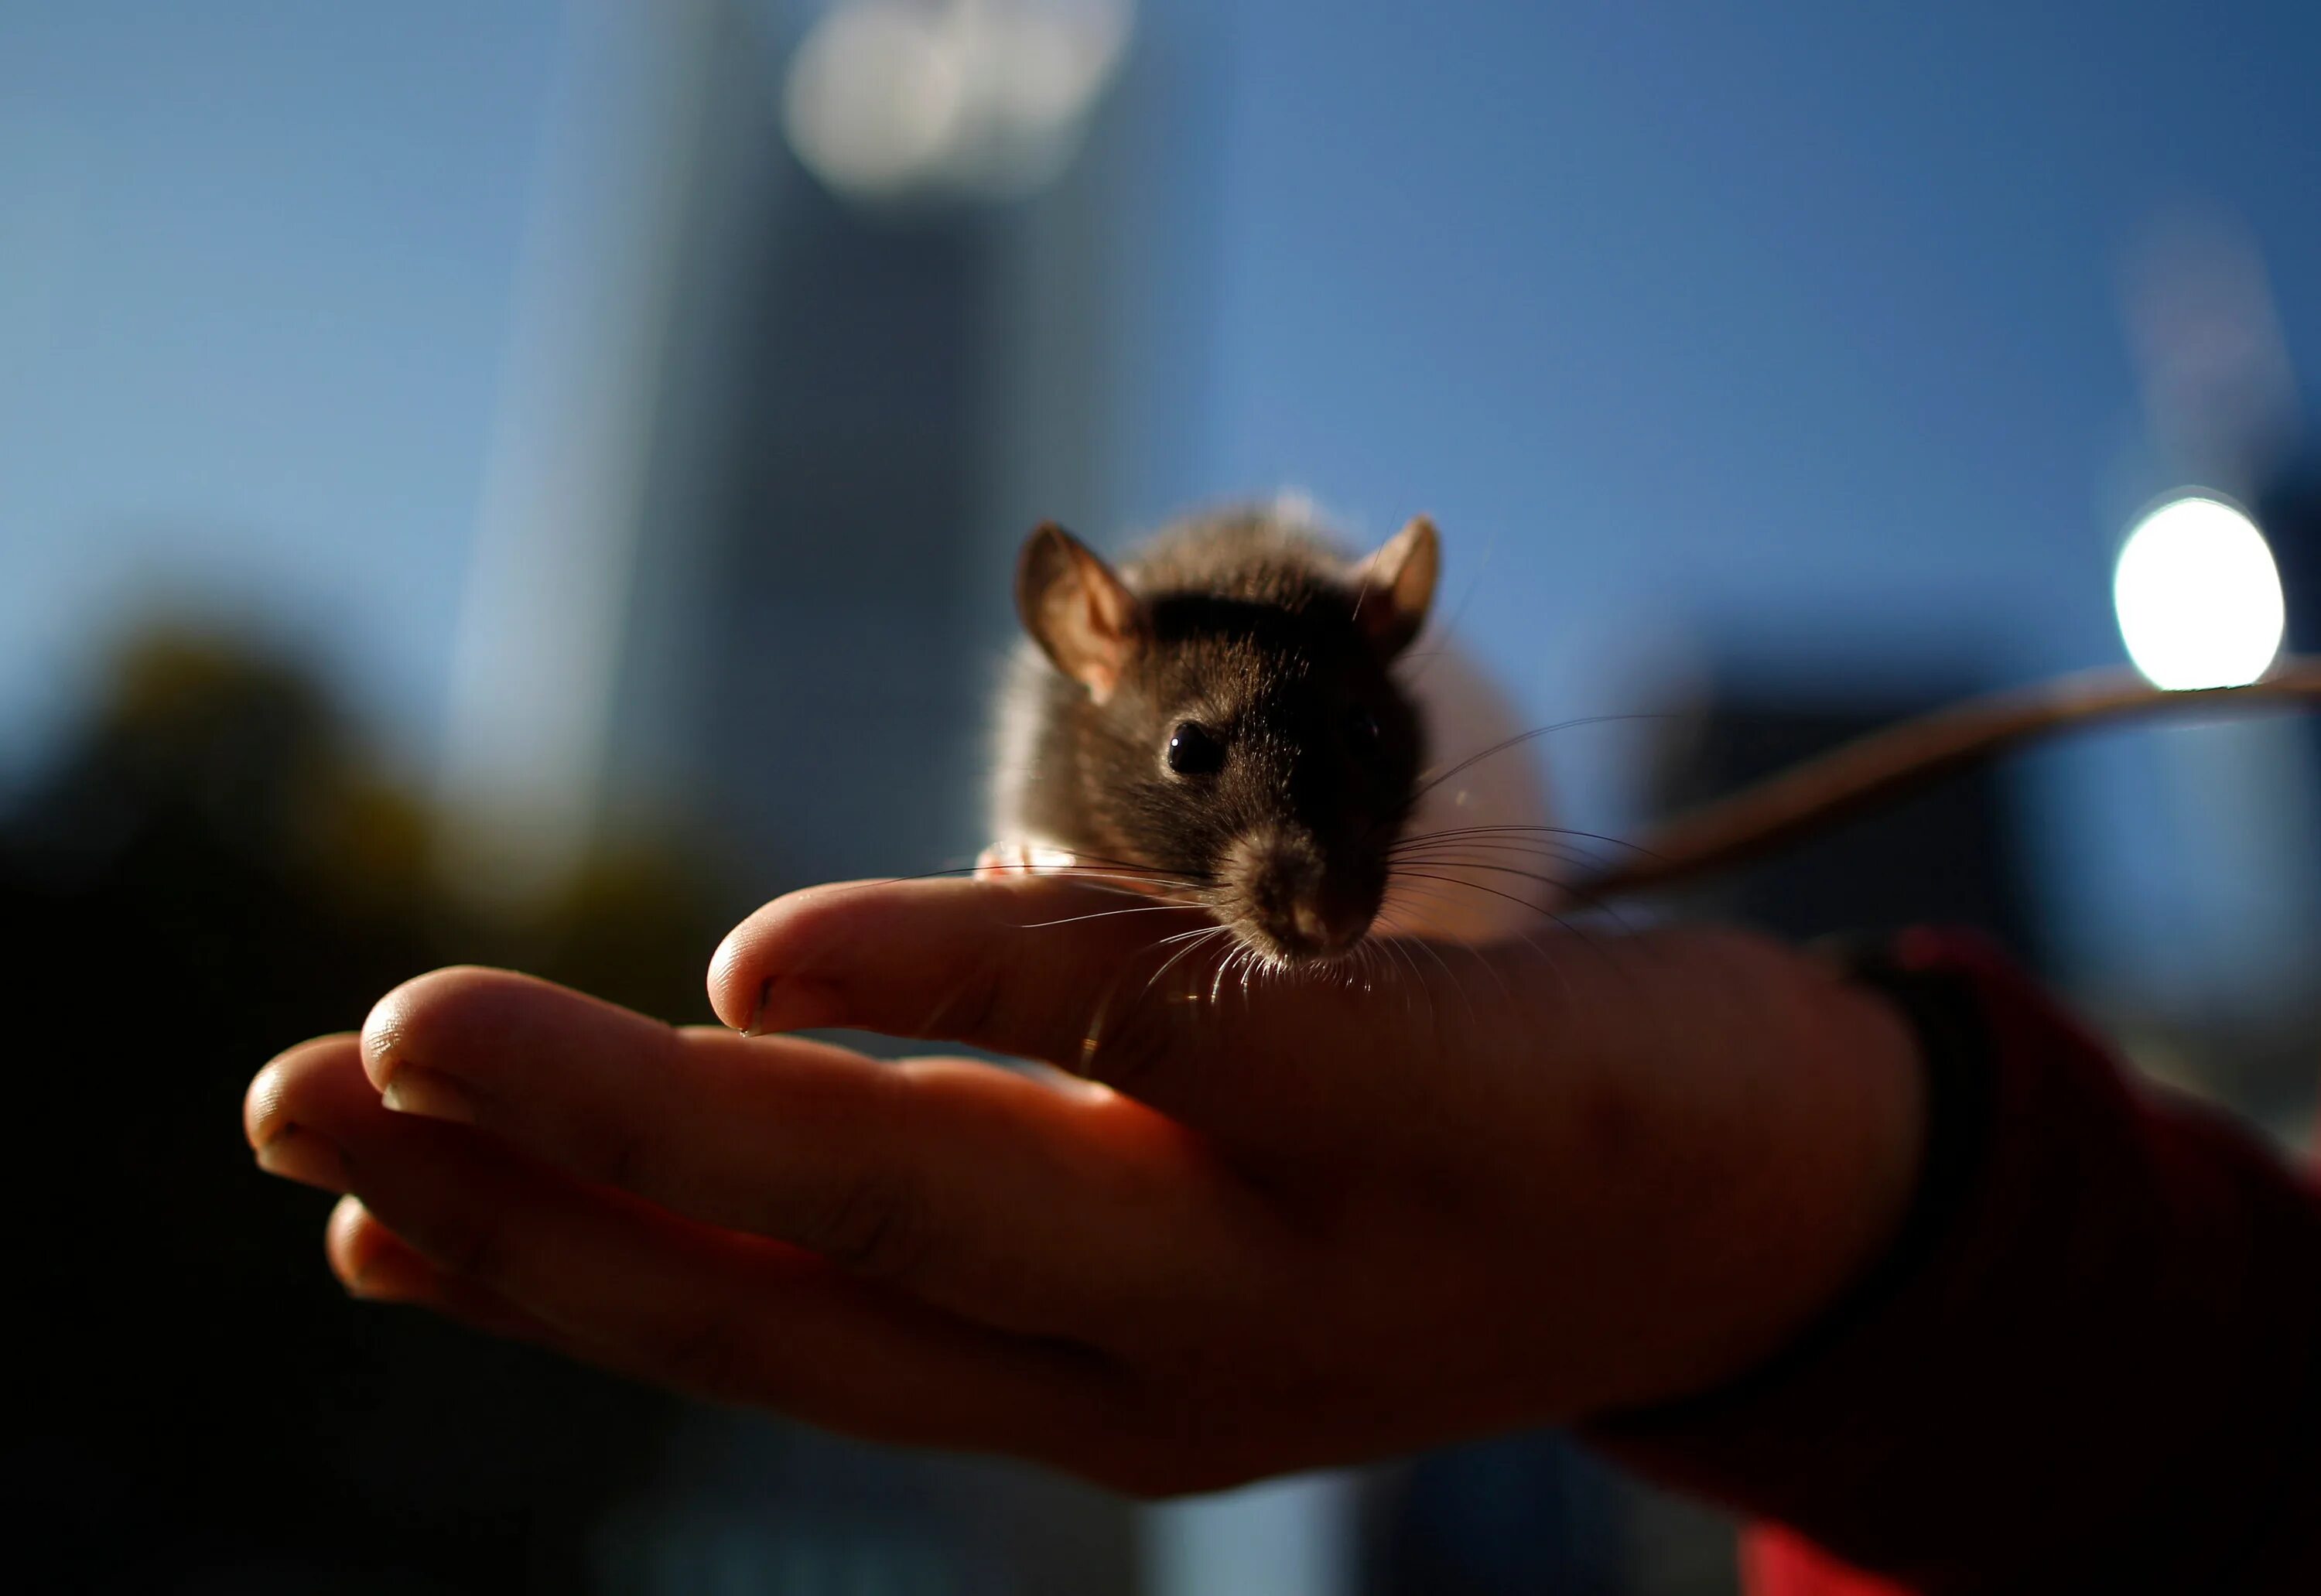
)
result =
(745, 570)
(766, 455)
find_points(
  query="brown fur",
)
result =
(1254, 630)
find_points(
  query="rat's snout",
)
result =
(1290, 901)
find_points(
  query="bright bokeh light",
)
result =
(897, 100)
(875, 100)
(2198, 596)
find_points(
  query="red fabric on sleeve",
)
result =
(2095, 1362)
(1778, 1562)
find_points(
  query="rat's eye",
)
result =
(1362, 730)
(1194, 749)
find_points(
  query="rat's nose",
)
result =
(1328, 926)
(1302, 906)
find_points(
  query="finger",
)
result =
(993, 1194)
(1055, 969)
(378, 1266)
(285, 1147)
(724, 1315)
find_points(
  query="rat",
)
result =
(1235, 718)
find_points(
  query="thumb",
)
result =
(1148, 998)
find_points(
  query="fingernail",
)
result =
(297, 1153)
(793, 1002)
(429, 1095)
(756, 1028)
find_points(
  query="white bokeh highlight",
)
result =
(902, 101)
(2198, 596)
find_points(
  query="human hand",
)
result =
(1310, 1224)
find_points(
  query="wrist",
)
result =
(1814, 1122)
(1878, 1138)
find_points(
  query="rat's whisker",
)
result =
(1473, 951)
(1475, 887)
(1579, 852)
(1427, 945)
(1496, 852)
(1565, 888)
(1124, 866)
(1424, 899)
(1083, 866)
(1144, 883)
(1396, 947)
(1595, 944)
(1387, 950)
(1174, 906)
(1418, 982)
(1514, 830)
(1490, 967)
(1546, 956)
(1428, 782)
(1217, 984)
(1503, 870)
(1203, 937)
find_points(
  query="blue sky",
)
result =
(1785, 334)
(1792, 329)
(1771, 315)
(255, 265)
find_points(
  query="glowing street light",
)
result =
(2198, 596)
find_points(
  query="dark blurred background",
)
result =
(527, 482)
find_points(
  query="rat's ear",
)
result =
(1394, 587)
(1078, 610)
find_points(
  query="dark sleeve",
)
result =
(2091, 1359)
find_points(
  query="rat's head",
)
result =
(1237, 731)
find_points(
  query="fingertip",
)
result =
(261, 1105)
(771, 946)
(734, 994)
(388, 1029)
(431, 1018)
(374, 1264)
(370, 1261)
(388, 1026)
(346, 1240)
(264, 1113)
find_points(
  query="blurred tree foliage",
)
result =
(212, 870)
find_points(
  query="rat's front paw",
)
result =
(1002, 857)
